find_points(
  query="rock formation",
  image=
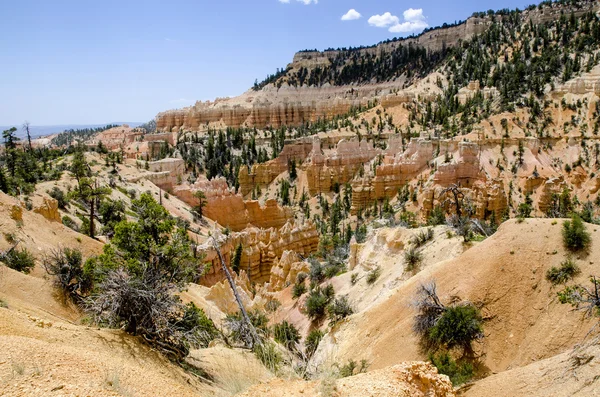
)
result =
(263, 174)
(339, 166)
(48, 208)
(410, 379)
(262, 249)
(229, 209)
(117, 137)
(285, 271)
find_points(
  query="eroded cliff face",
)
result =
(263, 174)
(283, 104)
(338, 166)
(262, 249)
(229, 209)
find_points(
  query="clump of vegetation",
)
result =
(300, 286)
(458, 326)
(361, 233)
(60, 196)
(272, 305)
(575, 237)
(445, 327)
(268, 354)
(136, 280)
(373, 275)
(421, 238)
(317, 301)
(239, 332)
(583, 298)
(286, 334)
(66, 266)
(352, 368)
(195, 321)
(565, 272)
(17, 259)
(317, 271)
(339, 309)
(311, 343)
(412, 258)
(70, 223)
(458, 372)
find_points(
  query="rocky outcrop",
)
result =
(48, 208)
(263, 174)
(410, 379)
(262, 249)
(486, 197)
(465, 170)
(397, 169)
(552, 186)
(229, 209)
(284, 273)
(274, 109)
(117, 137)
(323, 171)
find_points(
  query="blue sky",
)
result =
(85, 62)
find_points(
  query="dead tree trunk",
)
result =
(253, 334)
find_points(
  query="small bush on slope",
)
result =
(339, 309)
(286, 334)
(20, 260)
(458, 372)
(317, 301)
(413, 258)
(560, 275)
(575, 237)
(311, 343)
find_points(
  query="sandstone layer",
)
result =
(261, 249)
(229, 209)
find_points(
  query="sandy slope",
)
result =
(573, 373)
(506, 274)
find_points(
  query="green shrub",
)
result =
(312, 342)
(70, 223)
(194, 320)
(361, 234)
(70, 276)
(317, 301)
(352, 368)
(373, 275)
(59, 196)
(458, 373)
(339, 309)
(268, 354)
(286, 334)
(272, 305)
(421, 238)
(560, 275)
(317, 273)
(437, 216)
(413, 258)
(298, 290)
(11, 238)
(332, 269)
(354, 278)
(20, 260)
(575, 237)
(238, 329)
(458, 326)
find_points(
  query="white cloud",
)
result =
(351, 15)
(414, 21)
(306, 2)
(383, 21)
